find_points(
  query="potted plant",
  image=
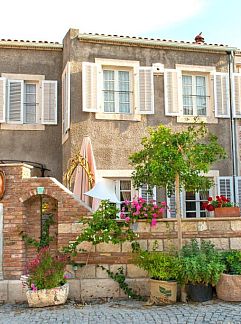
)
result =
(163, 269)
(46, 281)
(201, 267)
(222, 207)
(229, 285)
(141, 209)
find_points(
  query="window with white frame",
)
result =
(28, 100)
(146, 193)
(194, 95)
(196, 91)
(117, 89)
(124, 191)
(193, 203)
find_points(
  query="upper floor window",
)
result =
(194, 95)
(117, 89)
(27, 99)
(192, 91)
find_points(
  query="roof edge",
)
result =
(154, 42)
(30, 45)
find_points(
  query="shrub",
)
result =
(232, 262)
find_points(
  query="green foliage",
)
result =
(45, 238)
(232, 262)
(200, 264)
(46, 271)
(159, 265)
(166, 153)
(120, 278)
(103, 227)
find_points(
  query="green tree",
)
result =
(176, 160)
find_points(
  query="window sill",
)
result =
(107, 116)
(191, 119)
(23, 127)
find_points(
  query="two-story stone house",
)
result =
(112, 89)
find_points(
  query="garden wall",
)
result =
(87, 281)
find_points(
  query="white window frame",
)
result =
(194, 95)
(197, 201)
(196, 70)
(116, 71)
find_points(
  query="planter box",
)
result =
(163, 292)
(48, 297)
(200, 292)
(227, 212)
(229, 287)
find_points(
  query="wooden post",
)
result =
(178, 212)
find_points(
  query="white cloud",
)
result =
(51, 19)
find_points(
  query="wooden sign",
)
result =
(2, 184)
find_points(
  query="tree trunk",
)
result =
(178, 212)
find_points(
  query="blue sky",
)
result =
(219, 20)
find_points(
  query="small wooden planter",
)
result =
(48, 297)
(163, 292)
(227, 212)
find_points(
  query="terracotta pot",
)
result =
(163, 292)
(228, 287)
(48, 297)
(227, 212)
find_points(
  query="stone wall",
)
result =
(87, 281)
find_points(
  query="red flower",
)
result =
(210, 198)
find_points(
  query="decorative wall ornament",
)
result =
(2, 184)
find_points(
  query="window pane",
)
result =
(124, 91)
(201, 95)
(109, 93)
(187, 95)
(30, 103)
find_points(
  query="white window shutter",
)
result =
(146, 90)
(172, 92)
(225, 187)
(15, 101)
(49, 102)
(66, 98)
(171, 205)
(221, 95)
(90, 86)
(236, 86)
(238, 190)
(145, 194)
(2, 100)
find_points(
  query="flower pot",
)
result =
(163, 292)
(227, 212)
(229, 287)
(200, 292)
(48, 297)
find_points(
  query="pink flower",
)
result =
(153, 222)
(161, 210)
(122, 215)
(33, 287)
(154, 215)
(163, 203)
(146, 215)
(127, 219)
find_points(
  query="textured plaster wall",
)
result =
(39, 146)
(114, 141)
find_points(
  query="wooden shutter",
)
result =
(225, 187)
(172, 92)
(2, 100)
(66, 98)
(49, 102)
(236, 86)
(15, 101)
(171, 204)
(238, 190)
(221, 95)
(90, 86)
(145, 194)
(146, 90)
